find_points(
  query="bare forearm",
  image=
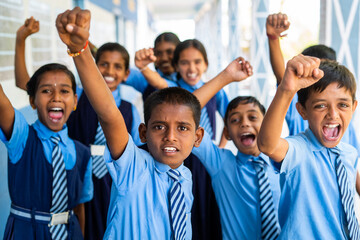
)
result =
(21, 73)
(269, 141)
(154, 78)
(7, 114)
(276, 59)
(209, 89)
(80, 213)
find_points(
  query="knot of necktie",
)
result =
(55, 140)
(174, 174)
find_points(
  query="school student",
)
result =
(49, 174)
(151, 194)
(246, 185)
(163, 52)
(112, 60)
(318, 171)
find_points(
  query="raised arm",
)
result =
(301, 72)
(237, 70)
(73, 28)
(143, 58)
(30, 26)
(7, 114)
(276, 24)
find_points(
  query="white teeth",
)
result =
(245, 134)
(331, 125)
(192, 75)
(56, 109)
(109, 79)
(169, 149)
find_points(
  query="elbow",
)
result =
(264, 146)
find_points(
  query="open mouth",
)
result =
(191, 75)
(109, 79)
(55, 114)
(247, 139)
(331, 131)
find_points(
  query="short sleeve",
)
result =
(127, 170)
(222, 102)
(16, 144)
(135, 126)
(294, 154)
(88, 187)
(209, 155)
(136, 80)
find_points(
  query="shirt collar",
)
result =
(245, 158)
(44, 133)
(186, 86)
(315, 144)
(163, 168)
(171, 77)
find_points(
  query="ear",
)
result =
(199, 134)
(75, 101)
(142, 132)
(226, 133)
(302, 111)
(354, 105)
(32, 102)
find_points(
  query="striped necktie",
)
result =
(99, 166)
(269, 223)
(347, 198)
(177, 206)
(59, 190)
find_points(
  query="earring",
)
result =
(74, 108)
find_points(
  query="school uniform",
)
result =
(83, 124)
(30, 177)
(297, 124)
(139, 205)
(310, 203)
(235, 183)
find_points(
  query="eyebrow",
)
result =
(324, 100)
(178, 122)
(50, 85)
(248, 111)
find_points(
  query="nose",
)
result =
(170, 135)
(110, 69)
(56, 96)
(332, 113)
(192, 67)
(244, 123)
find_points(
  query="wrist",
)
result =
(74, 51)
(272, 36)
(143, 68)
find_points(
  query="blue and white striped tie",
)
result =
(269, 223)
(59, 190)
(177, 205)
(99, 166)
(347, 198)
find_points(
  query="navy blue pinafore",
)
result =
(30, 187)
(82, 125)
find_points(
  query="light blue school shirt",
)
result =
(297, 124)
(221, 103)
(139, 205)
(310, 201)
(17, 142)
(235, 183)
(137, 80)
(134, 131)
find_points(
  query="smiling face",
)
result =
(111, 65)
(164, 52)
(243, 126)
(329, 113)
(171, 133)
(54, 99)
(191, 65)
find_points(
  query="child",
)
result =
(49, 174)
(190, 61)
(276, 24)
(235, 178)
(112, 60)
(163, 53)
(317, 170)
(142, 181)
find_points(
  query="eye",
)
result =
(65, 91)
(183, 128)
(119, 67)
(169, 52)
(198, 61)
(253, 117)
(343, 105)
(319, 106)
(234, 120)
(45, 90)
(103, 64)
(158, 127)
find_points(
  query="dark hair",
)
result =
(320, 51)
(172, 95)
(33, 83)
(333, 73)
(242, 100)
(167, 37)
(188, 44)
(113, 47)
